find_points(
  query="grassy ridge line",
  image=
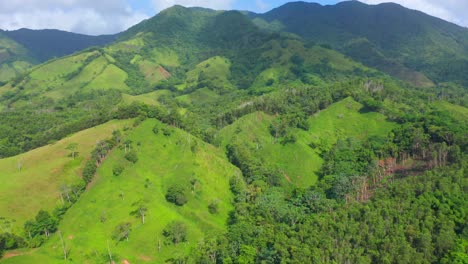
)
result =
(44, 170)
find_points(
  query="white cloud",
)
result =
(81, 16)
(214, 4)
(262, 6)
(450, 10)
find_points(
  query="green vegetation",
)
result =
(43, 175)
(407, 44)
(23, 48)
(240, 143)
(165, 161)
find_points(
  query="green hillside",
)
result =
(309, 134)
(21, 49)
(14, 58)
(300, 161)
(197, 70)
(37, 178)
(178, 159)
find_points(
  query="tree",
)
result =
(140, 211)
(176, 195)
(122, 231)
(213, 207)
(72, 148)
(156, 129)
(118, 169)
(127, 145)
(43, 224)
(89, 170)
(131, 156)
(176, 232)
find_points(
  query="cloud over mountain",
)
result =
(81, 16)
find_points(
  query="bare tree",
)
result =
(19, 164)
(141, 210)
(72, 148)
(63, 245)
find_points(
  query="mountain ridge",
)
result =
(203, 136)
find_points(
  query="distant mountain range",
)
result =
(308, 134)
(407, 44)
(20, 49)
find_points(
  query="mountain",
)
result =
(203, 136)
(14, 58)
(405, 43)
(220, 52)
(25, 47)
(46, 44)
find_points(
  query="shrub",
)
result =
(167, 131)
(118, 169)
(213, 207)
(176, 195)
(156, 129)
(131, 156)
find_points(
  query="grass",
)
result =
(134, 44)
(87, 74)
(147, 98)
(458, 112)
(199, 97)
(298, 161)
(111, 78)
(50, 79)
(153, 72)
(163, 161)
(44, 170)
(215, 70)
(165, 56)
(345, 119)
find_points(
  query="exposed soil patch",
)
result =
(145, 258)
(164, 73)
(287, 177)
(11, 254)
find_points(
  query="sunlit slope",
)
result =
(300, 161)
(163, 162)
(32, 181)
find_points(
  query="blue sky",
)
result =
(252, 5)
(96, 17)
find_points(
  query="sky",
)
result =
(95, 17)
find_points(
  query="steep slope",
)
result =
(165, 159)
(192, 52)
(245, 146)
(37, 178)
(386, 36)
(14, 58)
(300, 161)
